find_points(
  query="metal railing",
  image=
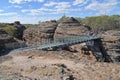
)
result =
(60, 42)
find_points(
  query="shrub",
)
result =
(10, 30)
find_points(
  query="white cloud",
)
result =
(16, 1)
(8, 14)
(80, 2)
(25, 19)
(63, 5)
(50, 4)
(59, 7)
(25, 10)
(102, 8)
(35, 12)
(23, 1)
(1, 10)
(40, 0)
(61, 11)
(15, 6)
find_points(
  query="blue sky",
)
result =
(32, 11)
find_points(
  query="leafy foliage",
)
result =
(29, 25)
(3, 24)
(62, 19)
(10, 30)
(102, 22)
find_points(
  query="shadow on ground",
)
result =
(4, 52)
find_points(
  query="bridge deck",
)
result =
(61, 42)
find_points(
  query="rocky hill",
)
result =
(51, 30)
(70, 27)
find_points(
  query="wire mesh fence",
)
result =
(50, 43)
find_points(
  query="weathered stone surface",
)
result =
(56, 65)
(19, 29)
(4, 39)
(70, 27)
(111, 41)
(53, 30)
(40, 34)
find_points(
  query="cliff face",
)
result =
(37, 35)
(5, 39)
(52, 30)
(111, 40)
(105, 50)
(70, 27)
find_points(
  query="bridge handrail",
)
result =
(62, 41)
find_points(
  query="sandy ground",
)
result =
(55, 65)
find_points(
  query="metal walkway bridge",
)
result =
(59, 43)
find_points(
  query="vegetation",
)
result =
(3, 24)
(29, 25)
(62, 19)
(102, 22)
(10, 30)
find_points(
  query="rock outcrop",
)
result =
(70, 27)
(5, 39)
(51, 30)
(37, 35)
(19, 29)
(111, 41)
(55, 65)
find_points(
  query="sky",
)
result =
(33, 11)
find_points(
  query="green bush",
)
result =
(103, 22)
(10, 30)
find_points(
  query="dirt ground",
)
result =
(55, 65)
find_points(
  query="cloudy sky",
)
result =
(32, 11)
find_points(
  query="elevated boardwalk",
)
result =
(59, 43)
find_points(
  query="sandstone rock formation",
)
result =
(37, 35)
(52, 30)
(111, 41)
(70, 27)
